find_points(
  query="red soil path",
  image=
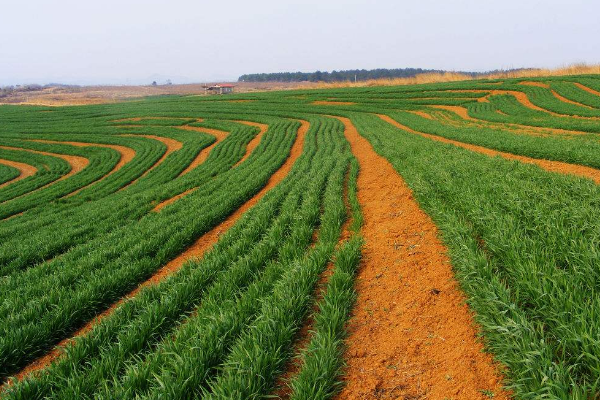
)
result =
(558, 96)
(332, 103)
(172, 145)
(524, 100)
(423, 114)
(548, 165)
(411, 335)
(527, 129)
(172, 200)
(534, 83)
(77, 163)
(127, 154)
(196, 250)
(587, 89)
(255, 140)
(203, 155)
(565, 100)
(25, 170)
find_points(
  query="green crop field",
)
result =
(220, 247)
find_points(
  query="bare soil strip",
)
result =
(203, 155)
(587, 89)
(255, 141)
(527, 129)
(127, 154)
(558, 96)
(519, 130)
(422, 114)
(172, 145)
(548, 165)
(77, 164)
(565, 100)
(204, 243)
(25, 170)
(172, 200)
(534, 83)
(524, 100)
(332, 103)
(411, 335)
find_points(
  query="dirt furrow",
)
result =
(332, 103)
(172, 146)
(548, 165)
(555, 94)
(587, 89)
(203, 155)
(524, 100)
(411, 335)
(77, 164)
(464, 114)
(25, 170)
(196, 250)
(126, 155)
(255, 141)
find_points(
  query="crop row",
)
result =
(259, 276)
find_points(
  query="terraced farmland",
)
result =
(437, 241)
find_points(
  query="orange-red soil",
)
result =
(524, 100)
(548, 165)
(558, 96)
(534, 83)
(203, 155)
(526, 129)
(204, 243)
(220, 135)
(172, 200)
(422, 114)
(587, 89)
(127, 154)
(25, 170)
(77, 163)
(411, 335)
(565, 100)
(172, 145)
(332, 103)
(255, 140)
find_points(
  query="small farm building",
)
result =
(219, 89)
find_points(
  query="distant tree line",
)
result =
(6, 91)
(346, 75)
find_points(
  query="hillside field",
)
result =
(433, 241)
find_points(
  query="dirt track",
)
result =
(25, 170)
(255, 141)
(411, 335)
(172, 146)
(127, 154)
(77, 164)
(220, 135)
(203, 155)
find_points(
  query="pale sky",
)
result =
(134, 41)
